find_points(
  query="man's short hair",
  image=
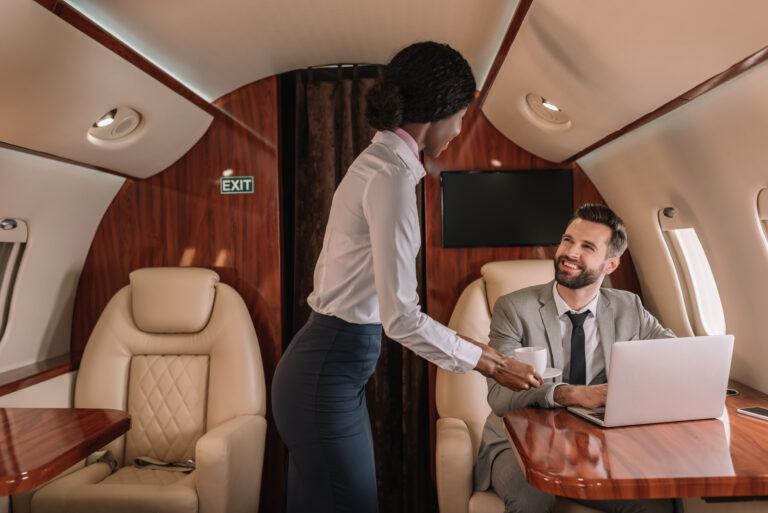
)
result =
(603, 215)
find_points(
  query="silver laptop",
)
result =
(664, 380)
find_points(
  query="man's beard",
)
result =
(581, 280)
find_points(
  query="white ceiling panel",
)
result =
(57, 81)
(216, 47)
(606, 64)
(707, 160)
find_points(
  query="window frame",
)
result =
(701, 295)
(13, 241)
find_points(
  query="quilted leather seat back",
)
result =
(212, 375)
(166, 400)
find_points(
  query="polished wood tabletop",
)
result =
(565, 455)
(37, 444)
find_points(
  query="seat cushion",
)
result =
(144, 476)
(129, 490)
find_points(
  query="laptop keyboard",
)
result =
(599, 415)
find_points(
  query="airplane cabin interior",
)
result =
(166, 175)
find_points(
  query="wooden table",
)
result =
(565, 455)
(37, 444)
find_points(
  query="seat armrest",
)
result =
(229, 461)
(453, 466)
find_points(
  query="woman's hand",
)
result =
(508, 372)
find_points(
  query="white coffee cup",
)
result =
(535, 356)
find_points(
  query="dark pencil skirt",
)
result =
(318, 400)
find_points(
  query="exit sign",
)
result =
(236, 185)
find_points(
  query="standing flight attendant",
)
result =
(365, 278)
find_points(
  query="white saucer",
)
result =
(551, 372)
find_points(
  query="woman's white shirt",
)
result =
(366, 272)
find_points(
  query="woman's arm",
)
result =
(389, 206)
(508, 372)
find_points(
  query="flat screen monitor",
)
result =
(505, 208)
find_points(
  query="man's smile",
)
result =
(569, 265)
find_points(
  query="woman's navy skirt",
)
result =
(318, 400)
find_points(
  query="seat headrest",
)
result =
(504, 277)
(172, 299)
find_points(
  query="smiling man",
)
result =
(576, 321)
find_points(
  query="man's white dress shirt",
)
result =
(366, 272)
(593, 353)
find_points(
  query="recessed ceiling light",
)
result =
(228, 172)
(107, 119)
(495, 162)
(544, 114)
(549, 106)
(115, 124)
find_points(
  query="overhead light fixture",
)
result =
(106, 120)
(495, 162)
(544, 114)
(228, 172)
(550, 106)
(115, 124)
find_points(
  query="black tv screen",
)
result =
(505, 208)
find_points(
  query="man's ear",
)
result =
(611, 264)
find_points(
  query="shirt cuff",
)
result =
(551, 396)
(467, 355)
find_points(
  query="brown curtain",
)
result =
(330, 131)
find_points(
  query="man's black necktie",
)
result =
(578, 369)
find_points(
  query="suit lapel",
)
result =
(605, 328)
(548, 313)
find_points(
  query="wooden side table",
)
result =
(37, 444)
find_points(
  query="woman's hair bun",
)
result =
(384, 106)
(423, 82)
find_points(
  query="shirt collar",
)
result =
(562, 306)
(409, 140)
(401, 148)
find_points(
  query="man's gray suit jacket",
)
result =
(528, 317)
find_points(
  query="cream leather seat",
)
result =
(462, 406)
(178, 351)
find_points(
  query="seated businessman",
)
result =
(577, 322)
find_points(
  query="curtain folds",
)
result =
(330, 131)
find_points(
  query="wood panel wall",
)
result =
(178, 217)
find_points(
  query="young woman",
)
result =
(365, 279)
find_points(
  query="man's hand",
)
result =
(590, 396)
(509, 372)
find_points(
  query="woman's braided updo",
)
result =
(424, 82)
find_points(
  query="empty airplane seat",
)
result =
(178, 351)
(461, 399)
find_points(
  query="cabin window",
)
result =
(762, 211)
(702, 299)
(13, 240)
